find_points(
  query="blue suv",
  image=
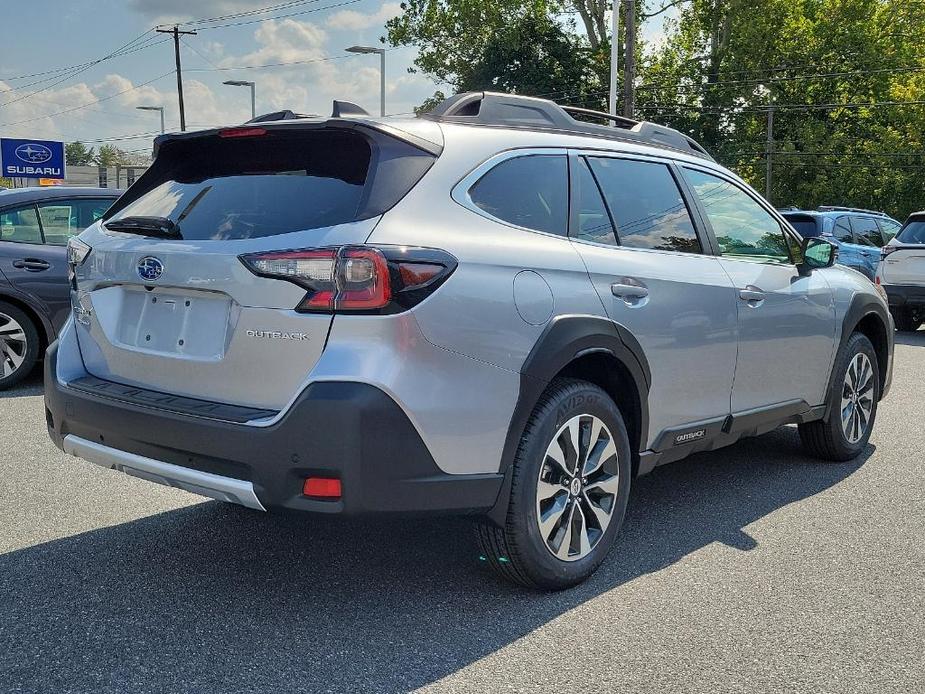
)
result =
(859, 234)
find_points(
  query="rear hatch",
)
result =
(169, 306)
(904, 257)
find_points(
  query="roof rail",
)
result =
(838, 208)
(530, 113)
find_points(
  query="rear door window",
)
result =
(529, 191)
(888, 229)
(20, 225)
(646, 205)
(230, 188)
(62, 219)
(866, 231)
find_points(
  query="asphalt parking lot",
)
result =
(754, 568)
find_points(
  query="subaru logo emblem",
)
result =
(33, 153)
(150, 268)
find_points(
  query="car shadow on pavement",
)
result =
(217, 598)
(916, 339)
(30, 385)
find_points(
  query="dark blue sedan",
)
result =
(35, 225)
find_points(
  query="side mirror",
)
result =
(818, 253)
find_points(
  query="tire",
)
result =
(19, 345)
(835, 438)
(905, 320)
(594, 502)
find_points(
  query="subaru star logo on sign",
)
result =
(32, 158)
(150, 268)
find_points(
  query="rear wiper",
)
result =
(159, 227)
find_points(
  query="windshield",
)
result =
(913, 232)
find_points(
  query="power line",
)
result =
(282, 16)
(108, 56)
(248, 13)
(256, 67)
(91, 103)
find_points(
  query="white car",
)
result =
(902, 274)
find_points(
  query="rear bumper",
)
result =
(905, 295)
(352, 431)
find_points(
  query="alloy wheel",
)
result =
(857, 400)
(576, 492)
(13, 345)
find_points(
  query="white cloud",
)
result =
(351, 20)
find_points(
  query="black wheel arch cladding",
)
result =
(565, 340)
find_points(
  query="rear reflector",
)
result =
(322, 487)
(242, 132)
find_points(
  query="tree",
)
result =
(77, 154)
(110, 155)
(818, 62)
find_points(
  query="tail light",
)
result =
(77, 252)
(886, 250)
(363, 279)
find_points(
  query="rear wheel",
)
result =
(853, 398)
(906, 320)
(570, 486)
(19, 345)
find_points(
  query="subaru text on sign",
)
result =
(32, 158)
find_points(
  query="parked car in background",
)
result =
(275, 314)
(859, 234)
(902, 274)
(35, 225)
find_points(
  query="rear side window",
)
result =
(888, 229)
(646, 205)
(804, 224)
(529, 191)
(20, 226)
(593, 219)
(217, 188)
(913, 232)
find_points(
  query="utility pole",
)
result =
(614, 57)
(769, 153)
(629, 61)
(176, 50)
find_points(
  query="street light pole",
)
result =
(614, 57)
(381, 52)
(253, 86)
(154, 108)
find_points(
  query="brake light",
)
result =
(242, 132)
(886, 250)
(357, 278)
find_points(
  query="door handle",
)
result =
(629, 291)
(752, 295)
(31, 264)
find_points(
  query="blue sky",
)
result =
(71, 33)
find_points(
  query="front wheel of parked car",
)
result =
(906, 321)
(569, 488)
(853, 397)
(19, 345)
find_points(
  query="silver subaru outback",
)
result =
(497, 308)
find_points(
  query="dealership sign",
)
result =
(32, 158)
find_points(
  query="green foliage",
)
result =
(110, 155)
(726, 60)
(77, 154)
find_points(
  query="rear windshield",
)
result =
(249, 187)
(913, 232)
(804, 224)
